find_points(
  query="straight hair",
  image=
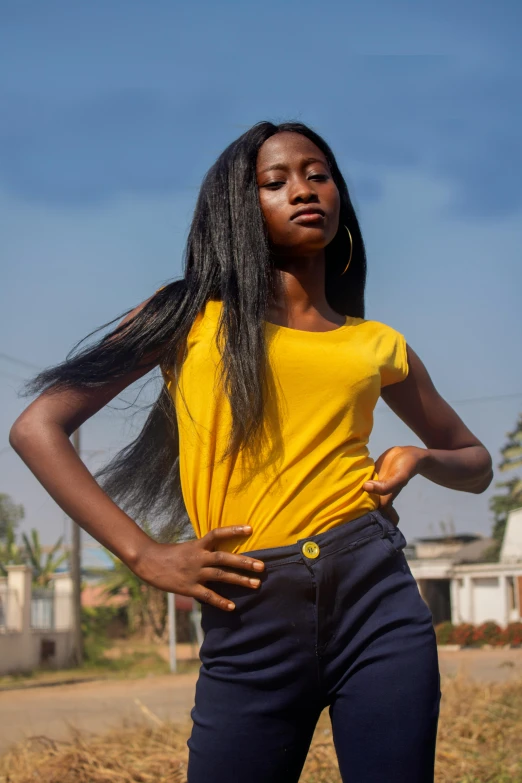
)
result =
(227, 258)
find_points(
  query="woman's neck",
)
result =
(299, 292)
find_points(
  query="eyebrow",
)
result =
(284, 167)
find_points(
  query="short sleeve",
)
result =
(392, 356)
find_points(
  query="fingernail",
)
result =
(258, 566)
(255, 582)
(231, 606)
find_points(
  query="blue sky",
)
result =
(110, 113)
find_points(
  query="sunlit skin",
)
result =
(293, 177)
(292, 174)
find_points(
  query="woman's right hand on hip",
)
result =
(186, 568)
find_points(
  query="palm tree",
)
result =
(10, 553)
(10, 515)
(43, 568)
(147, 606)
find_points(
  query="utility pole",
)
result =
(171, 605)
(76, 575)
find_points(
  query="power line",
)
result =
(11, 376)
(487, 399)
(468, 400)
(484, 398)
(21, 362)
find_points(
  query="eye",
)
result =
(274, 185)
(319, 177)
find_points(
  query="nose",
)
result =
(303, 192)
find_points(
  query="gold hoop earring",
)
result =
(351, 251)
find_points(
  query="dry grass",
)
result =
(479, 736)
(479, 733)
(479, 739)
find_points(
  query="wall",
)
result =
(23, 652)
(511, 551)
(23, 648)
(482, 592)
(433, 549)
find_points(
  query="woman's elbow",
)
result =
(22, 433)
(484, 472)
(483, 484)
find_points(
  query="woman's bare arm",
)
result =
(41, 435)
(454, 457)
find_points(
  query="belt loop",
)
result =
(379, 521)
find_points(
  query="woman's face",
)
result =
(299, 199)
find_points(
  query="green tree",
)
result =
(10, 516)
(147, 606)
(511, 498)
(10, 552)
(44, 566)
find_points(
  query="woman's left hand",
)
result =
(395, 467)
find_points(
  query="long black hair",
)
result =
(227, 258)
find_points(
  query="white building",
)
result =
(459, 586)
(35, 626)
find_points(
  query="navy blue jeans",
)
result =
(338, 621)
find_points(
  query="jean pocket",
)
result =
(393, 541)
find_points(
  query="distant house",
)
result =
(458, 585)
(35, 624)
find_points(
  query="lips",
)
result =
(311, 212)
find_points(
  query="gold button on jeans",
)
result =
(311, 550)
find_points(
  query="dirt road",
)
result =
(98, 706)
(482, 665)
(93, 706)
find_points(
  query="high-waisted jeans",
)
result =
(338, 621)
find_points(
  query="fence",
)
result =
(35, 623)
(10, 609)
(42, 609)
(51, 610)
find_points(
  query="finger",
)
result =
(222, 575)
(385, 501)
(240, 562)
(208, 596)
(223, 533)
(382, 487)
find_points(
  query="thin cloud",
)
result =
(457, 124)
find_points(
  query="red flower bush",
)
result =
(463, 634)
(468, 635)
(488, 633)
(444, 633)
(514, 634)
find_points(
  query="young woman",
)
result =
(258, 444)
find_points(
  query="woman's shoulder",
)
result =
(374, 328)
(389, 347)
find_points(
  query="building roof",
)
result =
(473, 552)
(463, 538)
(462, 548)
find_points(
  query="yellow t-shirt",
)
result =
(319, 416)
